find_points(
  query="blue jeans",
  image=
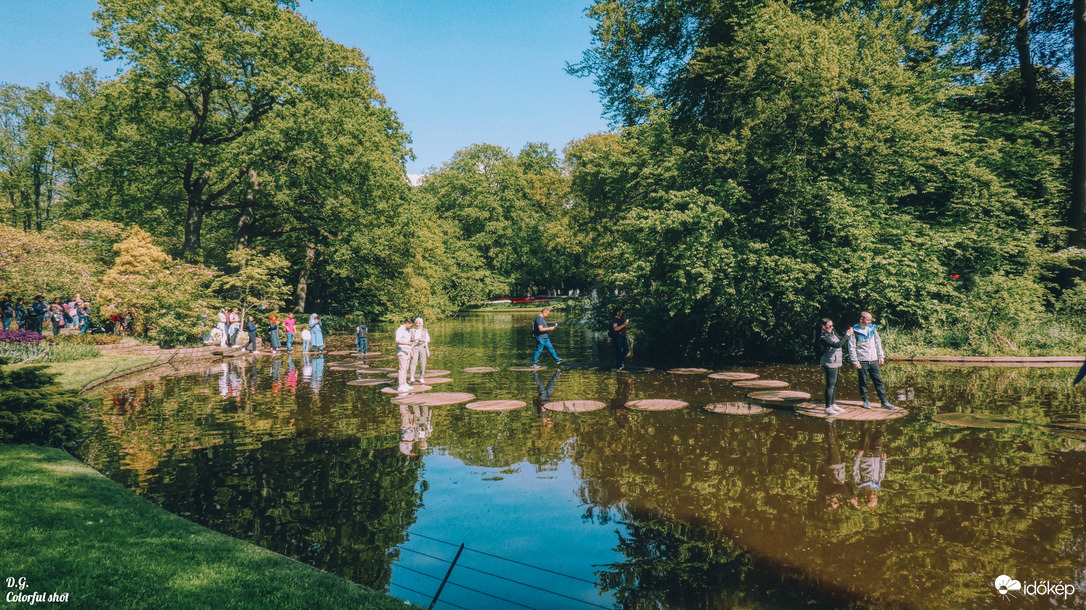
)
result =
(290, 341)
(622, 347)
(544, 343)
(871, 368)
(831, 384)
(362, 343)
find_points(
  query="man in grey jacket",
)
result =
(865, 352)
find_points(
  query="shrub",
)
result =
(34, 409)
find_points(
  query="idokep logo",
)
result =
(1005, 584)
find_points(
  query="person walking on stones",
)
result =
(317, 331)
(540, 331)
(250, 327)
(234, 327)
(221, 326)
(830, 346)
(361, 337)
(865, 352)
(404, 343)
(420, 351)
(617, 331)
(273, 333)
(307, 339)
(289, 325)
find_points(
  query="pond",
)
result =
(617, 507)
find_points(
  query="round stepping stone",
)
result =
(496, 405)
(734, 376)
(656, 404)
(436, 380)
(369, 381)
(984, 421)
(370, 354)
(760, 383)
(736, 408)
(434, 399)
(1073, 430)
(437, 372)
(342, 353)
(779, 396)
(852, 410)
(688, 371)
(341, 368)
(372, 372)
(418, 387)
(480, 369)
(574, 406)
(521, 369)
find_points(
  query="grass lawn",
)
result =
(68, 529)
(78, 373)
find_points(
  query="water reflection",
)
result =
(683, 509)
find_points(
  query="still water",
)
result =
(617, 508)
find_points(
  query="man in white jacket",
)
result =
(865, 353)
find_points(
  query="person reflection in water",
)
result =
(415, 428)
(869, 467)
(623, 389)
(833, 486)
(544, 396)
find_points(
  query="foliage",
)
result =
(33, 408)
(30, 176)
(68, 259)
(46, 351)
(258, 281)
(170, 299)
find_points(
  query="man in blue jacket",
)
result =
(865, 352)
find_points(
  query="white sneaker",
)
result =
(421, 380)
(412, 380)
(404, 388)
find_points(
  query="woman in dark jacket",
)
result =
(830, 344)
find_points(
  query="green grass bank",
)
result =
(66, 529)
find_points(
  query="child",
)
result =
(306, 338)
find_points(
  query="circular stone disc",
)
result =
(368, 354)
(342, 353)
(480, 369)
(690, 371)
(342, 368)
(779, 396)
(371, 372)
(496, 405)
(418, 387)
(735, 408)
(656, 404)
(574, 406)
(529, 369)
(369, 382)
(760, 383)
(852, 410)
(734, 376)
(984, 421)
(436, 380)
(435, 399)
(437, 372)
(1072, 430)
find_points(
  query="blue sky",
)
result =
(456, 72)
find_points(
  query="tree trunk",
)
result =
(248, 210)
(303, 277)
(1078, 157)
(1025, 62)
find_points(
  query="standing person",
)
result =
(71, 313)
(315, 327)
(404, 341)
(38, 309)
(619, 322)
(56, 316)
(250, 328)
(233, 320)
(222, 326)
(420, 350)
(830, 347)
(307, 339)
(20, 314)
(84, 310)
(542, 339)
(361, 337)
(273, 333)
(7, 311)
(288, 328)
(865, 352)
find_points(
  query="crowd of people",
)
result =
(39, 316)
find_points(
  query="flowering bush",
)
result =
(20, 337)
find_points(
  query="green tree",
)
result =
(259, 280)
(30, 177)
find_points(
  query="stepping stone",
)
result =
(1073, 430)
(656, 404)
(369, 382)
(418, 387)
(760, 383)
(437, 380)
(342, 353)
(779, 396)
(342, 368)
(733, 376)
(853, 411)
(380, 372)
(689, 371)
(396, 372)
(437, 372)
(736, 408)
(574, 406)
(368, 354)
(983, 421)
(480, 369)
(521, 369)
(434, 399)
(496, 405)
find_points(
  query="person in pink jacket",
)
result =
(288, 328)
